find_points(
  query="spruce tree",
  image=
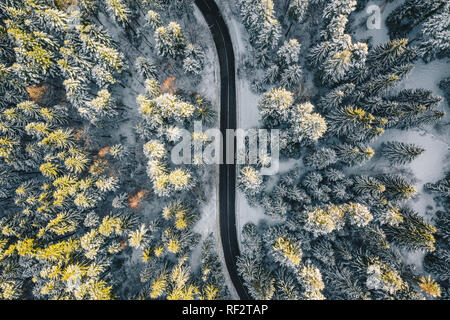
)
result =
(320, 158)
(399, 153)
(413, 233)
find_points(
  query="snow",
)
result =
(248, 115)
(247, 111)
(430, 166)
(248, 214)
(427, 75)
(209, 87)
(414, 258)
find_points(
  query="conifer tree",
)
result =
(368, 186)
(297, 10)
(413, 233)
(119, 9)
(411, 13)
(259, 19)
(401, 153)
(398, 187)
(146, 68)
(194, 60)
(354, 154)
(170, 40)
(320, 158)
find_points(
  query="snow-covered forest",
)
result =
(356, 213)
(95, 95)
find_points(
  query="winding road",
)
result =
(227, 172)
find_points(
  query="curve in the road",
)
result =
(227, 172)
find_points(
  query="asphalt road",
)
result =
(227, 172)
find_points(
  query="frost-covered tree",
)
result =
(153, 19)
(413, 233)
(401, 153)
(311, 279)
(274, 106)
(368, 186)
(250, 181)
(170, 40)
(300, 125)
(194, 59)
(411, 13)
(101, 107)
(288, 53)
(258, 17)
(320, 158)
(297, 10)
(353, 154)
(398, 187)
(442, 186)
(146, 67)
(119, 9)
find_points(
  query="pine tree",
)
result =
(274, 106)
(262, 286)
(350, 120)
(383, 83)
(250, 181)
(100, 108)
(434, 32)
(320, 158)
(291, 76)
(259, 19)
(153, 19)
(398, 187)
(285, 248)
(413, 233)
(306, 124)
(383, 56)
(399, 153)
(338, 7)
(119, 9)
(442, 186)
(437, 262)
(336, 97)
(286, 285)
(353, 154)
(368, 186)
(170, 40)
(411, 13)
(288, 53)
(146, 67)
(297, 10)
(194, 60)
(311, 279)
